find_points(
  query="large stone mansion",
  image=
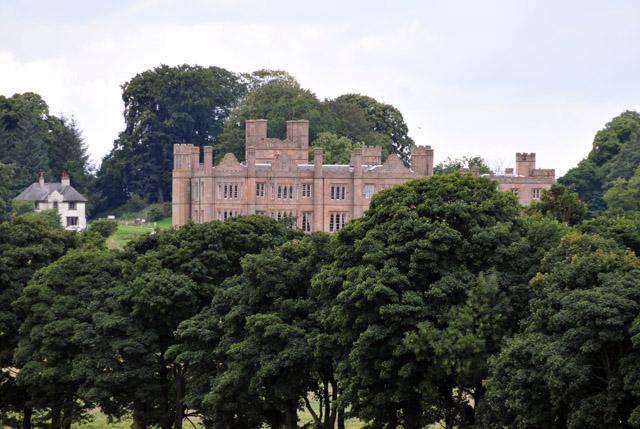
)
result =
(277, 180)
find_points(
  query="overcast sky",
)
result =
(477, 78)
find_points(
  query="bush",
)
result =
(104, 227)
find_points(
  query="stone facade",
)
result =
(277, 180)
(62, 197)
(528, 181)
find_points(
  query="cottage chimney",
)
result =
(65, 181)
(41, 178)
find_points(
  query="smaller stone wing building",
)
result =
(527, 181)
(277, 180)
(71, 205)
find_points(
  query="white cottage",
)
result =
(71, 205)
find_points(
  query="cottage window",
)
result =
(72, 206)
(259, 189)
(55, 204)
(535, 193)
(72, 220)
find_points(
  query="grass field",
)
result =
(100, 421)
(128, 230)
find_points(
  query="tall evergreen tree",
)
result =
(29, 152)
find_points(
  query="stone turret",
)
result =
(422, 160)
(525, 163)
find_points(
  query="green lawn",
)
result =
(128, 230)
(100, 421)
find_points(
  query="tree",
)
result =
(58, 303)
(474, 163)
(69, 153)
(336, 150)
(614, 155)
(272, 358)
(29, 152)
(27, 244)
(6, 176)
(386, 122)
(277, 97)
(561, 203)
(174, 276)
(104, 227)
(164, 106)
(426, 258)
(575, 364)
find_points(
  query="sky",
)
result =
(471, 78)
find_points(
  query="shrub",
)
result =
(104, 227)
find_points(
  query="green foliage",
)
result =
(266, 356)
(277, 97)
(164, 106)
(59, 304)
(21, 207)
(50, 217)
(561, 203)
(36, 141)
(159, 211)
(575, 365)
(615, 155)
(336, 150)
(623, 227)
(6, 174)
(409, 283)
(104, 227)
(450, 166)
(27, 244)
(624, 194)
(386, 122)
(175, 275)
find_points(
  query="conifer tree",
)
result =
(29, 152)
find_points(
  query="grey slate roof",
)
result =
(38, 192)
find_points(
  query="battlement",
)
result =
(371, 155)
(525, 163)
(544, 172)
(296, 145)
(525, 157)
(184, 155)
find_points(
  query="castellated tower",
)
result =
(525, 163)
(422, 160)
(181, 184)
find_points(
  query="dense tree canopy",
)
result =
(36, 141)
(575, 365)
(615, 155)
(430, 278)
(164, 106)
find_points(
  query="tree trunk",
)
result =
(291, 415)
(67, 415)
(165, 418)
(411, 414)
(55, 418)
(179, 383)
(26, 420)
(160, 194)
(340, 418)
(138, 419)
(327, 403)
